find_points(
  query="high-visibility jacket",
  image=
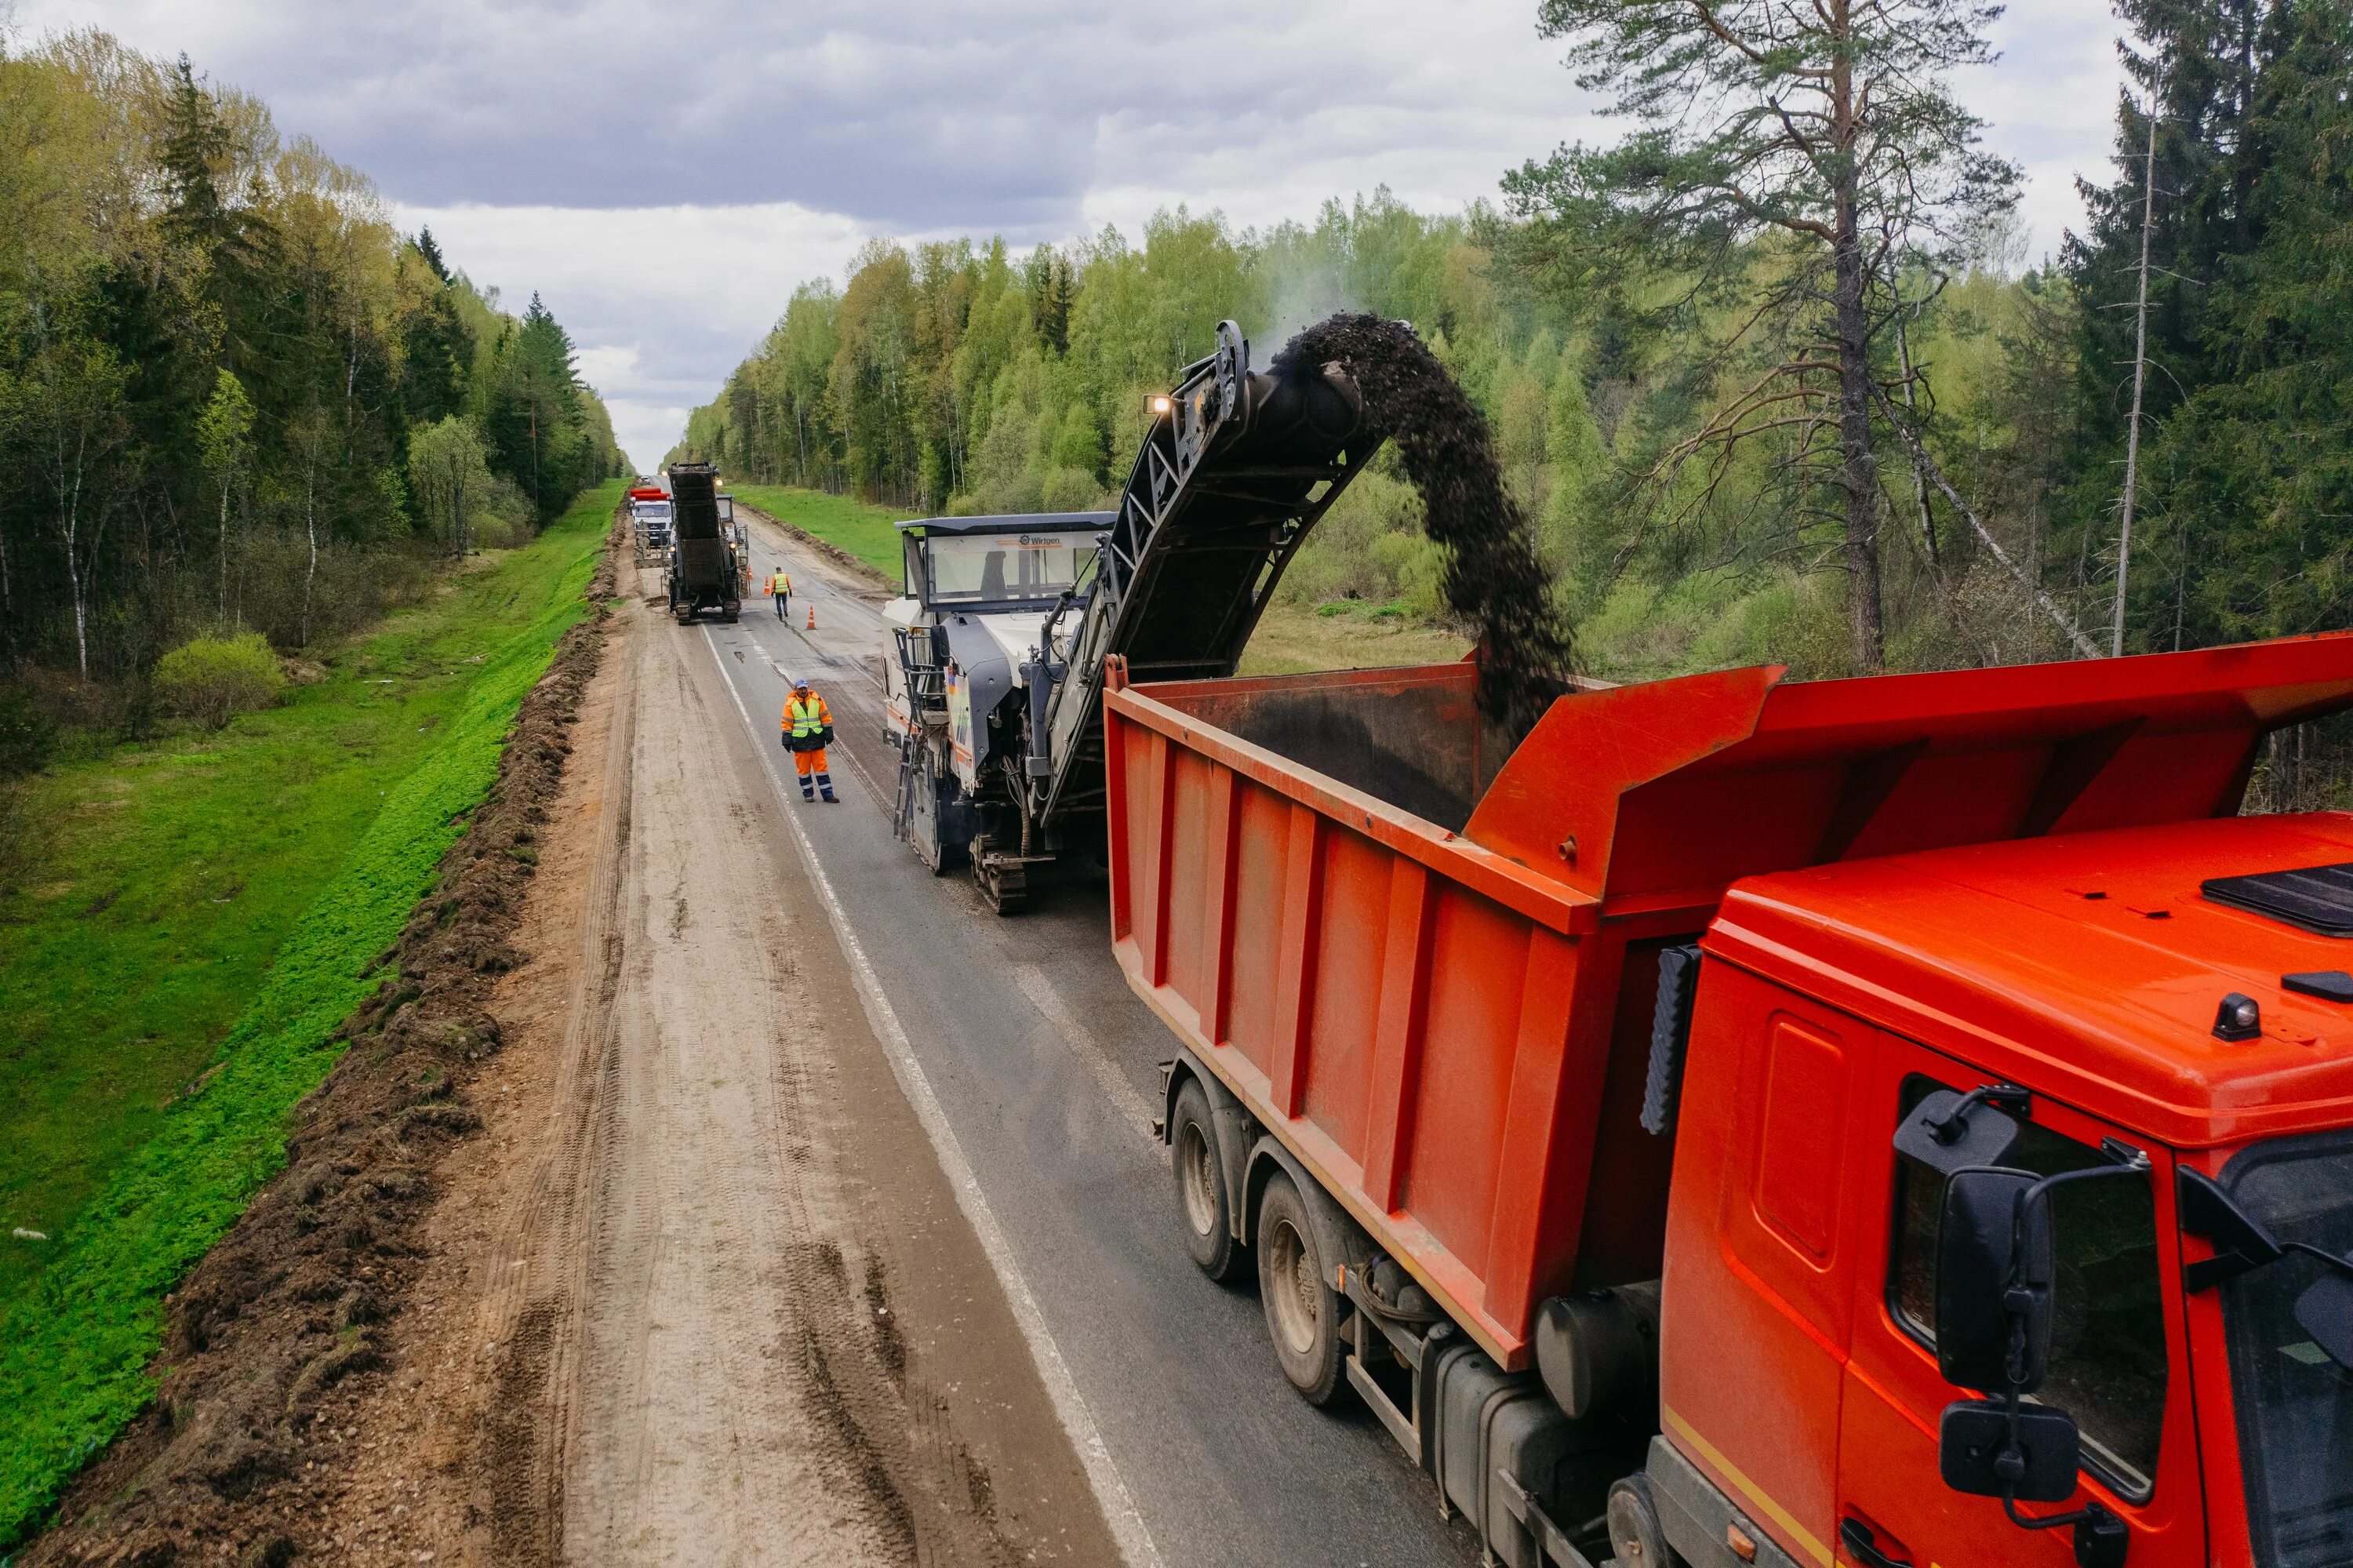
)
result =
(779, 583)
(804, 719)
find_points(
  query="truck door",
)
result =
(2117, 1360)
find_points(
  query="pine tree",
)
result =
(1823, 129)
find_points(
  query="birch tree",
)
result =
(224, 436)
(68, 407)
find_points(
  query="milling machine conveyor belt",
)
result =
(1232, 473)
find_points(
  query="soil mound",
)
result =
(270, 1338)
(1494, 578)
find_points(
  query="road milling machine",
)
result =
(994, 699)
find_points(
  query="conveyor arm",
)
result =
(1230, 476)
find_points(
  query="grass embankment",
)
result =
(132, 960)
(869, 533)
(1291, 640)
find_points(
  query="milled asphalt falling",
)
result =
(1045, 1064)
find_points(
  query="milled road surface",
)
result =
(1044, 1070)
(703, 1294)
(817, 1217)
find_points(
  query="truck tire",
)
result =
(1635, 1535)
(1203, 1205)
(1302, 1310)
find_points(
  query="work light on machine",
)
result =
(1161, 404)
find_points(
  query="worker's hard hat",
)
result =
(800, 682)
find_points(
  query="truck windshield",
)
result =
(988, 567)
(2295, 1405)
(654, 511)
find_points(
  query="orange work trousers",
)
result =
(815, 779)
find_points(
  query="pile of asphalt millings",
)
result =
(1495, 580)
(271, 1339)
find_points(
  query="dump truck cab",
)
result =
(2167, 1028)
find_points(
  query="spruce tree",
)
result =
(2200, 63)
(431, 252)
(2256, 466)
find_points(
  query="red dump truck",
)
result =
(1905, 1121)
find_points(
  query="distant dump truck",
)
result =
(706, 555)
(649, 518)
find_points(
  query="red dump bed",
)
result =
(1431, 969)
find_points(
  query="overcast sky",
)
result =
(665, 174)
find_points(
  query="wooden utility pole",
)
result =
(2140, 378)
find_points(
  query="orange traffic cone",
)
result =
(812, 621)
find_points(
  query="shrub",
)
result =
(213, 678)
(1069, 490)
(26, 734)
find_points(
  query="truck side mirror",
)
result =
(1980, 1452)
(1949, 1131)
(1993, 1281)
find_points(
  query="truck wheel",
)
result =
(1635, 1536)
(1302, 1311)
(1201, 1200)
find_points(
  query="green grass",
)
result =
(867, 531)
(1290, 639)
(212, 905)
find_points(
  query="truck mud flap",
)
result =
(1698, 1521)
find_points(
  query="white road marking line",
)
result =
(1127, 1527)
(1123, 1094)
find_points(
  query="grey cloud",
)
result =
(1035, 119)
(903, 114)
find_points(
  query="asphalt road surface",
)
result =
(1035, 1070)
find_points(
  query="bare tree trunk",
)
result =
(1911, 405)
(224, 554)
(2140, 378)
(1936, 476)
(69, 528)
(310, 527)
(1859, 471)
(7, 603)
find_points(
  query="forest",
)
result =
(1770, 373)
(233, 398)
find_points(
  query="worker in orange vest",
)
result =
(780, 588)
(809, 727)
